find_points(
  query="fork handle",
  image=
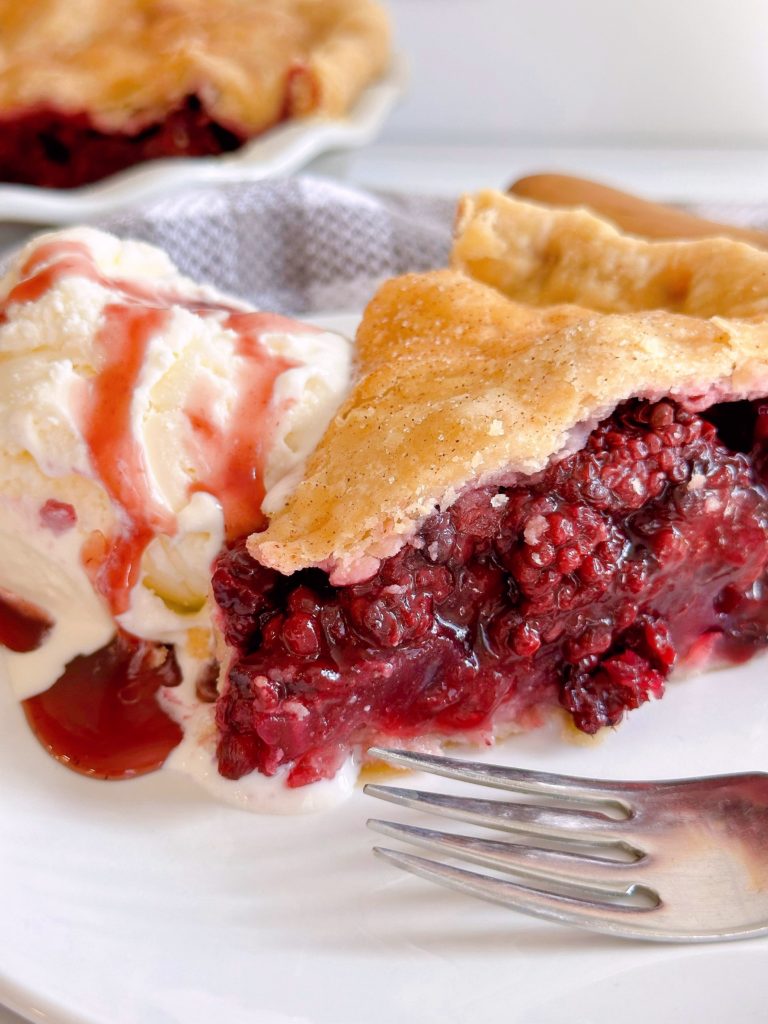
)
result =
(630, 213)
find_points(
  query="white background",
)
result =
(623, 72)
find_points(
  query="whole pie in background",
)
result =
(90, 87)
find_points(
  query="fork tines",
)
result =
(574, 863)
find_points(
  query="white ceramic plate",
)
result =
(145, 902)
(280, 151)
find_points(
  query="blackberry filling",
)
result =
(54, 149)
(580, 588)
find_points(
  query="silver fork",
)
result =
(679, 861)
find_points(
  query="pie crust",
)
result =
(440, 404)
(250, 61)
(543, 255)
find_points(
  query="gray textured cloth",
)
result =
(302, 245)
(309, 245)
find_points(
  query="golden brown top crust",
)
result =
(543, 255)
(460, 384)
(128, 62)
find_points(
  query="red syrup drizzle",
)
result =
(101, 717)
(115, 453)
(22, 626)
(51, 262)
(234, 453)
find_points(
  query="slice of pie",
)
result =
(548, 488)
(89, 88)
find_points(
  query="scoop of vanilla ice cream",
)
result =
(194, 366)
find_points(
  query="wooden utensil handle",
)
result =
(637, 216)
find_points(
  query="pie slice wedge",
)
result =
(547, 489)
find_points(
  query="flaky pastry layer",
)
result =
(544, 255)
(461, 384)
(129, 62)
